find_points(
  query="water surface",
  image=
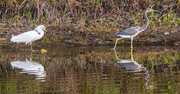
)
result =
(91, 70)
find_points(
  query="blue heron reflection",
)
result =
(131, 66)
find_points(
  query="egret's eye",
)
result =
(44, 28)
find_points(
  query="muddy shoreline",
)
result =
(82, 23)
(78, 38)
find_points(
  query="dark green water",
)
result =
(91, 70)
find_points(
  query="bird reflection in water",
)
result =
(30, 67)
(131, 66)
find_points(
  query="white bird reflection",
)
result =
(30, 67)
(132, 66)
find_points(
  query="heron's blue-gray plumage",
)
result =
(130, 65)
(129, 31)
(133, 31)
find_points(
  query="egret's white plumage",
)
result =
(29, 36)
(30, 67)
(27, 65)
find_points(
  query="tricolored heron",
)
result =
(29, 36)
(132, 66)
(133, 31)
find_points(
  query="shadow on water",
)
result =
(91, 70)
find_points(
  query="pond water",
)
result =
(91, 70)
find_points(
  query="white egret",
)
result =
(29, 36)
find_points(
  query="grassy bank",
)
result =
(90, 22)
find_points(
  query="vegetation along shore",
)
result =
(90, 22)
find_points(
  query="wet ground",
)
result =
(91, 70)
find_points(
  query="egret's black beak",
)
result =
(48, 31)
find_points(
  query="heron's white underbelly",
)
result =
(128, 36)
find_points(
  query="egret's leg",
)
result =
(24, 47)
(116, 42)
(31, 47)
(131, 43)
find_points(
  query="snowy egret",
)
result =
(29, 36)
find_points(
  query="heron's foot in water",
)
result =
(113, 48)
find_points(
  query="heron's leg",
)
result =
(132, 54)
(131, 43)
(116, 55)
(116, 42)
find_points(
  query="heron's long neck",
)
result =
(146, 22)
